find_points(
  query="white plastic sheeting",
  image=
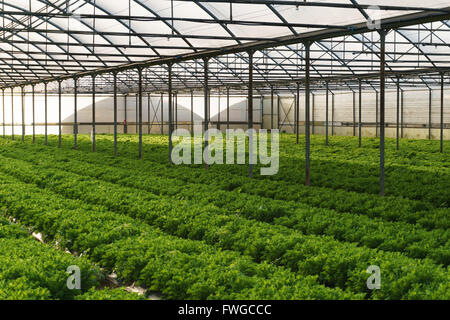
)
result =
(153, 33)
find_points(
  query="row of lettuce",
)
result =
(140, 253)
(427, 213)
(414, 153)
(335, 264)
(237, 234)
(30, 270)
(390, 208)
(413, 241)
(409, 173)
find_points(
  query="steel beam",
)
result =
(22, 98)
(46, 113)
(326, 114)
(354, 113)
(75, 114)
(206, 102)
(430, 103)
(398, 115)
(115, 113)
(271, 107)
(262, 111)
(442, 113)
(169, 70)
(332, 114)
(313, 113)
(162, 113)
(250, 112)
(12, 114)
(382, 105)
(93, 113)
(317, 4)
(402, 96)
(377, 116)
(125, 123)
(360, 116)
(176, 109)
(33, 111)
(137, 112)
(278, 112)
(228, 108)
(59, 113)
(3, 107)
(148, 114)
(297, 111)
(307, 114)
(192, 112)
(139, 95)
(316, 35)
(218, 113)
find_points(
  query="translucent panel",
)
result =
(65, 36)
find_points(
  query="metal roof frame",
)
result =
(58, 68)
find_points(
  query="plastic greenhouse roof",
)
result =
(48, 40)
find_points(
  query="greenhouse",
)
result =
(225, 150)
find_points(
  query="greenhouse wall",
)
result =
(415, 113)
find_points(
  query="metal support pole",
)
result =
(115, 113)
(360, 116)
(125, 125)
(218, 113)
(429, 113)
(93, 113)
(209, 105)
(206, 103)
(382, 105)
(278, 112)
(398, 114)
(173, 111)
(12, 114)
(332, 113)
(377, 117)
(271, 107)
(250, 112)
(169, 69)
(75, 113)
(262, 112)
(192, 112)
(442, 113)
(33, 111)
(22, 98)
(402, 95)
(162, 113)
(307, 115)
(137, 113)
(3, 107)
(297, 111)
(176, 109)
(46, 113)
(140, 93)
(354, 114)
(59, 113)
(228, 108)
(326, 114)
(148, 114)
(313, 107)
